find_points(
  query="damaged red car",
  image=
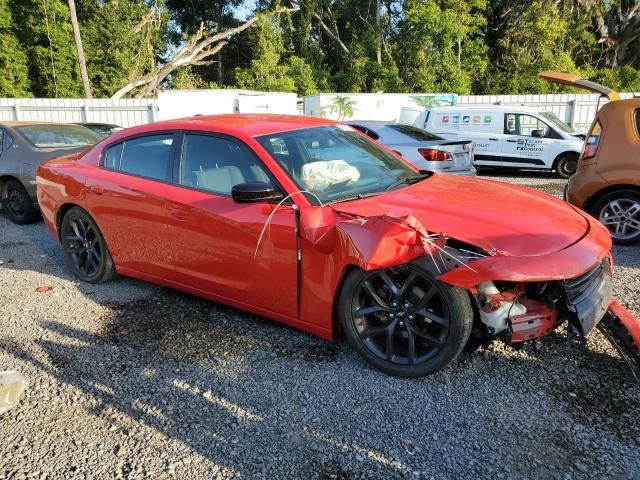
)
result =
(310, 223)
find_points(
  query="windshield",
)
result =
(58, 136)
(336, 163)
(415, 132)
(553, 118)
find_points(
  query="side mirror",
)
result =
(252, 192)
(537, 133)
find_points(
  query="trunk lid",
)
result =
(579, 82)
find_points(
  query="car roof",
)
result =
(490, 108)
(12, 123)
(619, 106)
(249, 124)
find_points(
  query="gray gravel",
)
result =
(130, 380)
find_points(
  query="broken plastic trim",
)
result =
(622, 329)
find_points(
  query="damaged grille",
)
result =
(581, 287)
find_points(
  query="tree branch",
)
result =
(195, 51)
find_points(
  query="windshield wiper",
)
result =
(353, 197)
(408, 180)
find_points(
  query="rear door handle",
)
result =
(178, 214)
(97, 189)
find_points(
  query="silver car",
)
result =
(423, 149)
(23, 147)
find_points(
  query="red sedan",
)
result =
(308, 222)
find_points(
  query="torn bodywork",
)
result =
(622, 329)
(518, 298)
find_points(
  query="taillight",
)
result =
(590, 147)
(434, 155)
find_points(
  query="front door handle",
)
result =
(97, 189)
(512, 141)
(493, 139)
(178, 214)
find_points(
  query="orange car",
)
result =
(607, 181)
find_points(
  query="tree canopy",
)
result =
(134, 47)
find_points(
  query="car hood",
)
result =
(499, 218)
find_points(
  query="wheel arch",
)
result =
(336, 329)
(62, 211)
(589, 204)
(3, 181)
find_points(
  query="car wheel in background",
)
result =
(404, 321)
(620, 212)
(567, 165)
(85, 249)
(17, 203)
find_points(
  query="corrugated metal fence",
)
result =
(127, 112)
(578, 110)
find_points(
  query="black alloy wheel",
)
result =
(404, 321)
(85, 248)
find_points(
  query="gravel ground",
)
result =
(130, 380)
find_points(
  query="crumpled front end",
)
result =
(518, 297)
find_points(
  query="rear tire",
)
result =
(567, 165)
(403, 321)
(17, 203)
(85, 249)
(619, 211)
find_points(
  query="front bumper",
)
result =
(588, 297)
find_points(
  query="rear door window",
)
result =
(638, 122)
(111, 158)
(149, 156)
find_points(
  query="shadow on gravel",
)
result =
(585, 386)
(177, 364)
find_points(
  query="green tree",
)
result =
(535, 36)
(342, 106)
(270, 69)
(443, 46)
(137, 31)
(14, 71)
(43, 27)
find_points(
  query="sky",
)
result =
(244, 10)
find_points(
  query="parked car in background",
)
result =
(24, 146)
(308, 222)
(607, 182)
(508, 136)
(423, 149)
(102, 129)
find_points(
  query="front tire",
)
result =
(567, 165)
(403, 321)
(17, 203)
(85, 249)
